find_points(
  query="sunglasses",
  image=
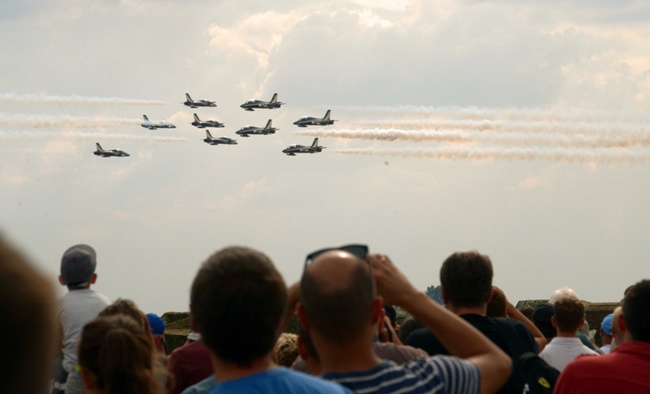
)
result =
(358, 250)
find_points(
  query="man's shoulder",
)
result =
(282, 380)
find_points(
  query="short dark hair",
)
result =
(466, 278)
(497, 306)
(238, 299)
(636, 310)
(569, 313)
(339, 315)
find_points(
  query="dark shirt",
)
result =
(424, 339)
(189, 365)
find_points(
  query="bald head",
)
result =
(337, 293)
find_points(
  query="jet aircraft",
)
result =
(250, 105)
(291, 150)
(205, 123)
(108, 153)
(216, 141)
(311, 121)
(246, 131)
(198, 103)
(153, 126)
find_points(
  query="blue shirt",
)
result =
(279, 380)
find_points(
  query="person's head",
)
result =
(561, 293)
(123, 306)
(528, 312)
(285, 350)
(498, 303)
(636, 310)
(407, 326)
(78, 267)
(542, 317)
(240, 286)
(466, 279)
(338, 299)
(606, 329)
(116, 356)
(28, 310)
(618, 325)
(569, 314)
(157, 325)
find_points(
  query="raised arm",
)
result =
(454, 333)
(516, 314)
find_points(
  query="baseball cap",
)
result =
(78, 265)
(157, 324)
(606, 325)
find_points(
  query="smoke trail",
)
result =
(42, 121)
(567, 155)
(42, 98)
(445, 136)
(529, 114)
(19, 135)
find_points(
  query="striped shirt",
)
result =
(439, 374)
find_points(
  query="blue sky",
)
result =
(560, 91)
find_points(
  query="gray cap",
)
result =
(78, 265)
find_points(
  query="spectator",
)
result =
(542, 317)
(241, 286)
(28, 339)
(189, 364)
(466, 288)
(497, 305)
(158, 332)
(568, 316)
(625, 369)
(79, 306)
(408, 325)
(116, 357)
(341, 309)
(606, 334)
(618, 327)
(285, 350)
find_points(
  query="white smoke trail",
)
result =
(94, 136)
(42, 98)
(568, 155)
(528, 114)
(446, 136)
(43, 121)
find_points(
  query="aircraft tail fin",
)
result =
(145, 118)
(315, 143)
(187, 96)
(196, 118)
(274, 99)
(99, 147)
(268, 124)
(207, 133)
(327, 115)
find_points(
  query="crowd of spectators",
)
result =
(350, 337)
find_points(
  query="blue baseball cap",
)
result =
(606, 325)
(157, 324)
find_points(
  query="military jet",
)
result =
(198, 103)
(291, 150)
(153, 126)
(250, 105)
(246, 131)
(108, 153)
(311, 121)
(205, 123)
(216, 141)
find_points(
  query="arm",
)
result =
(514, 313)
(458, 336)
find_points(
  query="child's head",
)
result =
(78, 267)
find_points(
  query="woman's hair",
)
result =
(118, 354)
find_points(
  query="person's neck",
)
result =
(467, 310)
(567, 334)
(357, 355)
(230, 371)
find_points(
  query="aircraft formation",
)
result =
(245, 131)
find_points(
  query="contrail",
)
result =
(43, 121)
(42, 98)
(619, 139)
(18, 135)
(567, 155)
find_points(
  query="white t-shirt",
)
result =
(561, 351)
(77, 308)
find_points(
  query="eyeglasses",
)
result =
(358, 250)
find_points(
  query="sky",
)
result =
(516, 128)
